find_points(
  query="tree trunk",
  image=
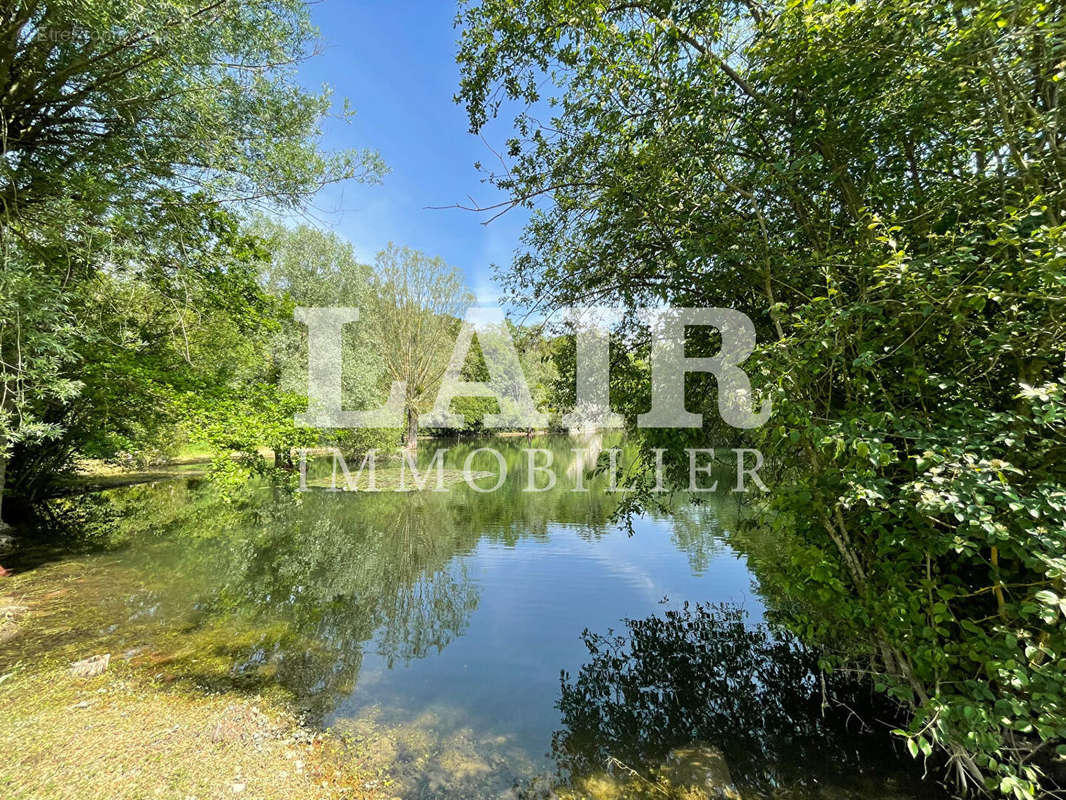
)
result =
(283, 457)
(3, 478)
(411, 439)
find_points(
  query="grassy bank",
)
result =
(163, 720)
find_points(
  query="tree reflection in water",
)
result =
(706, 674)
(343, 579)
(282, 592)
(296, 589)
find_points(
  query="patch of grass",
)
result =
(121, 736)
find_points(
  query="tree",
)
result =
(415, 315)
(131, 136)
(310, 267)
(108, 103)
(34, 342)
(112, 346)
(535, 369)
(880, 187)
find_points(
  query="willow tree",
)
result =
(130, 132)
(881, 186)
(415, 315)
(310, 267)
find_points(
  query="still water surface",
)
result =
(439, 628)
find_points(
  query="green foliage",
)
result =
(309, 267)
(113, 104)
(880, 186)
(36, 334)
(132, 136)
(113, 343)
(537, 365)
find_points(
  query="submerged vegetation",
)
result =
(167, 715)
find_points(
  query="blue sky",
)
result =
(395, 62)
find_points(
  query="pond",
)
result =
(464, 637)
